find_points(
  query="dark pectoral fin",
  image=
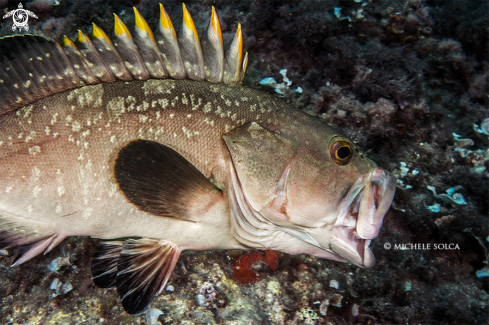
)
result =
(104, 263)
(143, 269)
(159, 180)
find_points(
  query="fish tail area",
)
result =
(32, 67)
(28, 241)
(138, 268)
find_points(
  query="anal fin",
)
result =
(143, 270)
(104, 263)
(139, 268)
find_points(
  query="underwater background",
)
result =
(406, 80)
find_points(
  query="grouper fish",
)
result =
(150, 142)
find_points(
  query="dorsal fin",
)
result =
(32, 67)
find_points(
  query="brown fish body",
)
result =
(64, 148)
(170, 165)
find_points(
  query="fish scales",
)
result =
(97, 139)
(90, 125)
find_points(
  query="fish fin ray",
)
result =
(160, 181)
(33, 67)
(104, 263)
(150, 268)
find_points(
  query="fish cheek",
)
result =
(313, 193)
(261, 160)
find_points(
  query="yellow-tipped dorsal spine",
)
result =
(189, 22)
(216, 26)
(165, 20)
(97, 32)
(239, 37)
(81, 37)
(120, 28)
(141, 24)
(68, 42)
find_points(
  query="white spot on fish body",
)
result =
(30, 137)
(59, 208)
(207, 107)
(158, 114)
(143, 118)
(84, 134)
(54, 119)
(47, 130)
(29, 208)
(61, 190)
(163, 102)
(87, 213)
(36, 173)
(174, 101)
(184, 99)
(36, 191)
(172, 115)
(9, 188)
(34, 150)
(189, 115)
(112, 139)
(76, 126)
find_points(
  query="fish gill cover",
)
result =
(400, 78)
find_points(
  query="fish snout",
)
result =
(360, 216)
(377, 196)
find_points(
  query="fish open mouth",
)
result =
(360, 216)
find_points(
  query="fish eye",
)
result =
(341, 152)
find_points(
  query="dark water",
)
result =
(399, 77)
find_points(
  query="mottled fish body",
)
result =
(152, 137)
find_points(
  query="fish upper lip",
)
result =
(366, 203)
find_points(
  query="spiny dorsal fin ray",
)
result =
(148, 49)
(193, 59)
(168, 44)
(128, 50)
(44, 67)
(96, 63)
(213, 48)
(109, 54)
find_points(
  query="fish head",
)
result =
(317, 188)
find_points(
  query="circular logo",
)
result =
(387, 245)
